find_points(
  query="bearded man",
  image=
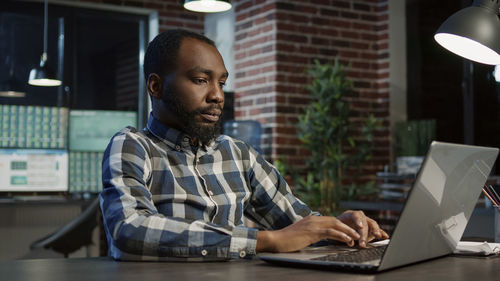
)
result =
(178, 190)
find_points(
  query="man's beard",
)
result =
(203, 133)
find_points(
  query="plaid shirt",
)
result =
(164, 200)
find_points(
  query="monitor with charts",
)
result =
(91, 130)
(33, 170)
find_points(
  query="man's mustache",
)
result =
(207, 109)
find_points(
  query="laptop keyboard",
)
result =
(359, 256)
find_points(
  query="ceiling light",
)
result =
(43, 75)
(207, 6)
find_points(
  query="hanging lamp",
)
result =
(43, 75)
(207, 6)
(12, 87)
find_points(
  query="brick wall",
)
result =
(171, 13)
(277, 40)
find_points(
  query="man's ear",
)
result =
(154, 86)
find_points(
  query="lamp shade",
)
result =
(207, 6)
(473, 32)
(43, 75)
(12, 88)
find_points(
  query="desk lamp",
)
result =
(473, 32)
(43, 75)
(207, 6)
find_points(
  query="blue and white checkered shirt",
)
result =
(164, 200)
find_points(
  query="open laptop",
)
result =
(433, 219)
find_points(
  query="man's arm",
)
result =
(137, 231)
(288, 222)
(315, 228)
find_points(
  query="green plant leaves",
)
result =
(324, 128)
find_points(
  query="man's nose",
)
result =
(216, 94)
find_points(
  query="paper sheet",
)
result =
(477, 248)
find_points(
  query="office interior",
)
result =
(399, 74)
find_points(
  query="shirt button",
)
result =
(243, 254)
(178, 147)
(204, 252)
(210, 193)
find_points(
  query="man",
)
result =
(177, 190)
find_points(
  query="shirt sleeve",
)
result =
(273, 205)
(135, 229)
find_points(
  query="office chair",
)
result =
(248, 131)
(73, 235)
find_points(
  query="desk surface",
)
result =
(96, 269)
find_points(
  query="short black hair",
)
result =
(161, 54)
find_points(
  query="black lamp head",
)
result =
(473, 32)
(43, 75)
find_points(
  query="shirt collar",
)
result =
(174, 138)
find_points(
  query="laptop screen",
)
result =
(440, 203)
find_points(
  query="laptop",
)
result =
(432, 221)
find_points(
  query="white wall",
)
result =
(220, 28)
(397, 61)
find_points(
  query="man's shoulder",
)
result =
(129, 135)
(225, 139)
(129, 131)
(234, 144)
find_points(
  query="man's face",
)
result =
(192, 94)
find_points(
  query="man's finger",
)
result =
(363, 228)
(375, 231)
(343, 228)
(340, 236)
(385, 235)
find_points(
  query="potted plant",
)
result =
(325, 129)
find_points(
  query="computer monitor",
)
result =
(91, 130)
(29, 170)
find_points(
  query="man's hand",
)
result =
(349, 227)
(367, 228)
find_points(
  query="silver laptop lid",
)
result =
(440, 203)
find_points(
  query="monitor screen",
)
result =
(24, 170)
(91, 130)
(33, 126)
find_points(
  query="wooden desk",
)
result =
(105, 269)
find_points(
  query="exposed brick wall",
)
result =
(171, 13)
(277, 40)
(256, 67)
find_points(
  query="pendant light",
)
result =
(207, 6)
(43, 75)
(473, 32)
(12, 87)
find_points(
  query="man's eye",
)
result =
(222, 84)
(199, 80)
